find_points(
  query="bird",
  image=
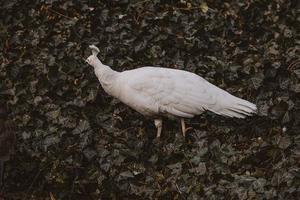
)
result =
(158, 92)
(7, 140)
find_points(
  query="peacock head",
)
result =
(92, 59)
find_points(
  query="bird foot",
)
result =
(158, 125)
(185, 131)
(183, 128)
(157, 141)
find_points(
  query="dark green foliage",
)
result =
(76, 142)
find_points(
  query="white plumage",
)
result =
(156, 92)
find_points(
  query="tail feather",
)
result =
(239, 111)
(239, 108)
(232, 113)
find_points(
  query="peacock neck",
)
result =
(107, 77)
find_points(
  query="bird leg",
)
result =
(183, 129)
(158, 125)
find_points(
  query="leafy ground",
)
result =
(76, 142)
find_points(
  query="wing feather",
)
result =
(172, 92)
